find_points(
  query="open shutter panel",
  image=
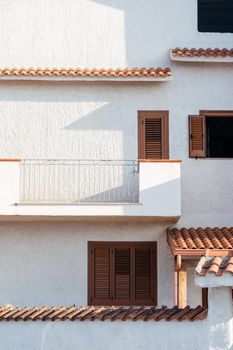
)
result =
(144, 276)
(122, 276)
(197, 138)
(101, 276)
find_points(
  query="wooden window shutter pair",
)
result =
(197, 136)
(122, 273)
(153, 135)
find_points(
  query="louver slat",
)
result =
(197, 139)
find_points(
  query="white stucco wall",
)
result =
(80, 120)
(99, 120)
(97, 33)
(46, 263)
(105, 335)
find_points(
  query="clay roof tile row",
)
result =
(201, 238)
(101, 313)
(85, 72)
(215, 265)
(200, 52)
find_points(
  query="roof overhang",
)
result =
(202, 55)
(86, 74)
(214, 272)
(175, 250)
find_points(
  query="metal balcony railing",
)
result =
(78, 181)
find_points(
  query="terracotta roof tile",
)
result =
(86, 72)
(200, 239)
(102, 313)
(185, 52)
(215, 265)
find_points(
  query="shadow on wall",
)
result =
(144, 28)
(162, 199)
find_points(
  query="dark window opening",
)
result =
(219, 142)
(215, 16)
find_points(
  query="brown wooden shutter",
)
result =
(100, 275)
(122, 273)
(144, 276)
(197, 137)
(153, 135)
(122, 278)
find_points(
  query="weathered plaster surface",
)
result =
(46, 263)
(97, 33)
(105, 335)
(99, 121)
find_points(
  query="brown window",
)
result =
(153, 135)
(211, 134)
(122, 273)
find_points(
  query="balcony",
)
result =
(78, 181)
(90, 188)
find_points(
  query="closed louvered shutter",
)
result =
(197, 137)
(153, 134)
(122, 276)
(101, 265)
(122, 273)
(143, 275)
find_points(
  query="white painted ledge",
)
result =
(86, 79)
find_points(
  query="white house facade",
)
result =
(115, 181)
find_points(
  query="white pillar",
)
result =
(220, 318)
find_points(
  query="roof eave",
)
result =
(86, 79)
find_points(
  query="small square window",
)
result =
(215, 16)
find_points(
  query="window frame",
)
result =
(122, 244)
(164, 115)
(211, 113)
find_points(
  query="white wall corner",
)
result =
(9, 183)
(160, 188)
(220, 318)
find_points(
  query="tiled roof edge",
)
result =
(87, 72)
(201, 52)
(193, 239)
(215, 266)
(92, 313)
